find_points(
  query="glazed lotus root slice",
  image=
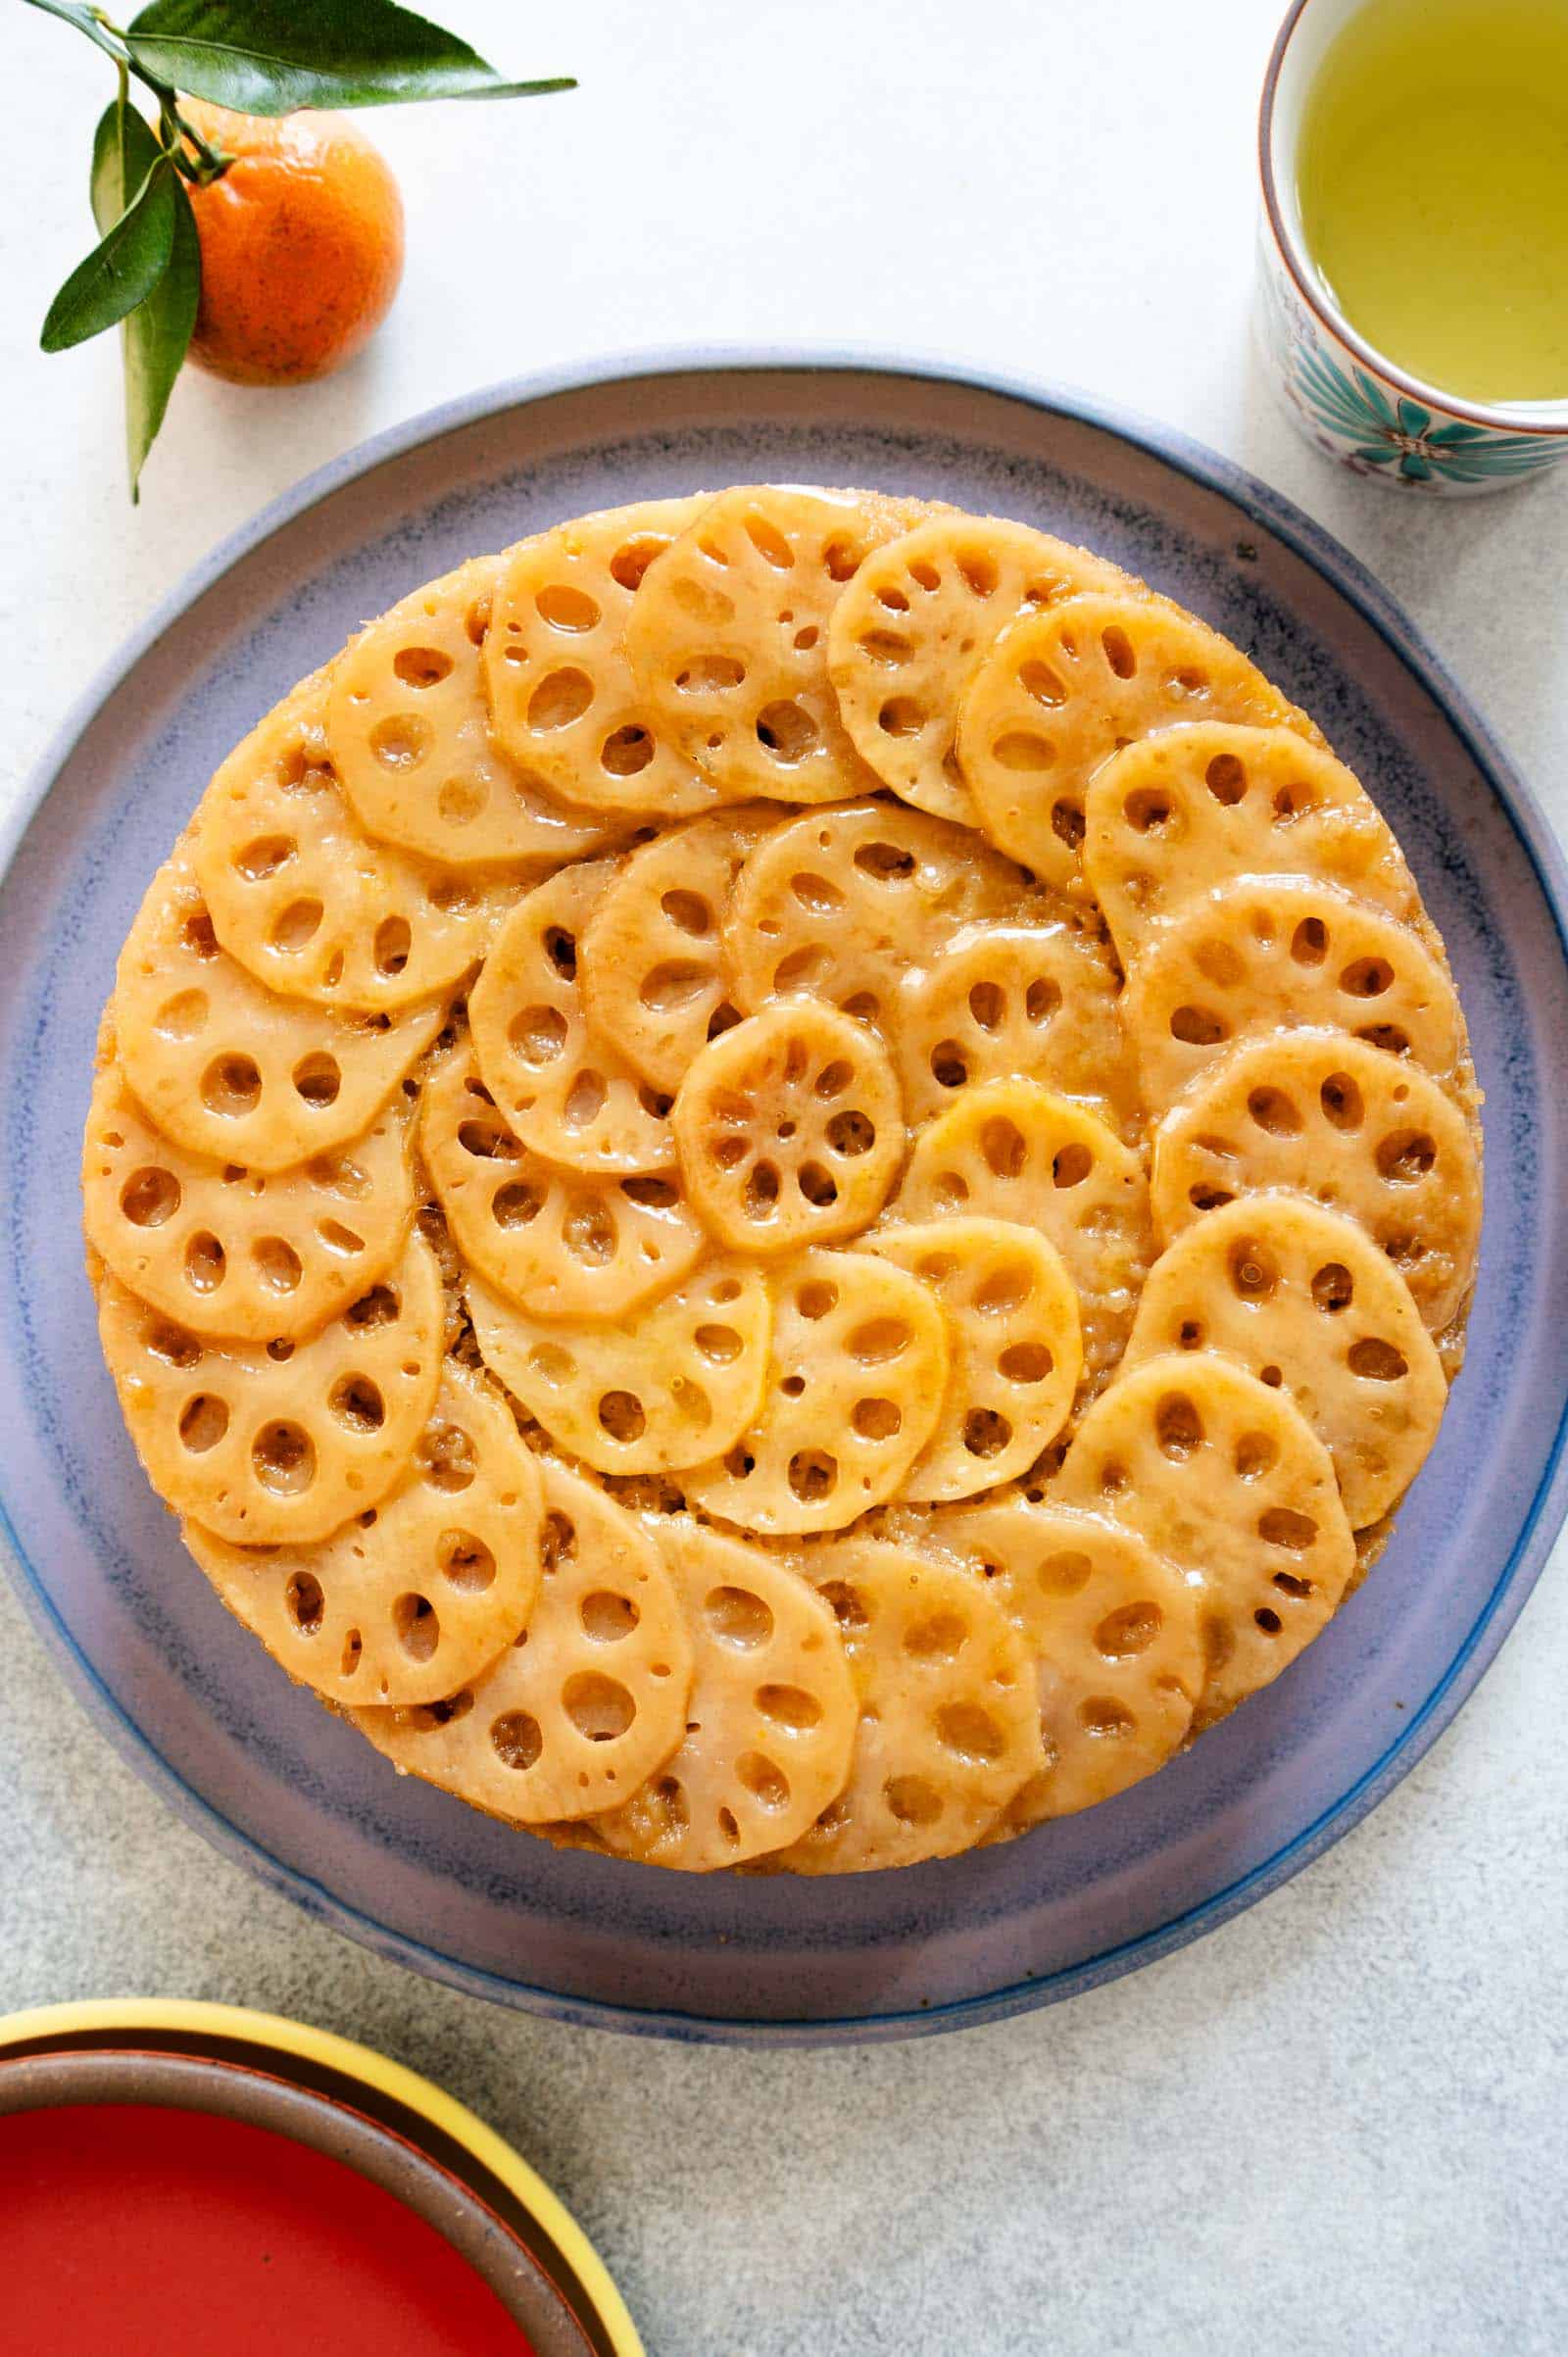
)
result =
(855, 1380)
(302, 898)
(267, 1445)
(770, 1724)
(1302, 1298)
(1271, 953)
(656, 969)
(729, 637)
(1014, 1347)
(413, 1595)
(788, 1129)
(1060, 691)
(564, 1089)
(1175, 814)
(227, 1251)
(1022, 1002)
(1226, 1478)
(948, 1728)
(1113, 1630)
(663, 1387)
(1322, 1114)
(913, 627)
(562, 698)
(566, 1244)
(589, 1700)
(409, 731)
(1009, 1150)
(843, 903)
(232, 1070)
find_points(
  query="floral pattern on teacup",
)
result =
(1371, 426)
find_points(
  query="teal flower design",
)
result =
(1402, 435)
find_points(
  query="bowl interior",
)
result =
(200, 2156)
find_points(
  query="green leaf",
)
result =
(266, 57)
(155, 337)
(74, 12)
(120, 272)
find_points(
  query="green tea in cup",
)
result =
(1431, 174)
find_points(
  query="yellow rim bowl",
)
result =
(272, 2032)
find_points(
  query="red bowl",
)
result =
(194, 2175)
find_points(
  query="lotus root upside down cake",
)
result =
(785, 1180)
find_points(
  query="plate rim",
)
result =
(1332, 562)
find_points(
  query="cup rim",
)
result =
(1313, 295)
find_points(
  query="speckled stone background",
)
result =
(1342, 2123)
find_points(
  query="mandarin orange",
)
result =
(301, 241)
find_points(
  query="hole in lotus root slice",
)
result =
(919, 617)
(950, 1726)
(249, 1443)
(670, 1385)
(1064, 689)
(559, 616)
(436, 1586)
(561, 1085)
(1113, 1631)
(339, 919)
(1277, 1282)
(727, 637)
(1175, 814)
(852, 1337)
(588, 1703)
(1015, 1353)
(843, 903)
(564, 1243)
(1008, 1149)
(770, 1725)
(1374, 1137)
(1211, 1509)
(292, 1248)
(788, 1129)
(1277, 951)
(231, 1069)
(656, 969)
(417, 757)
(1016, 1001)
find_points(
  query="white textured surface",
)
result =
(1342, 2123)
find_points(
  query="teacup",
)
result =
(1348, 399)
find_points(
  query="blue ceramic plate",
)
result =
(264, 1771)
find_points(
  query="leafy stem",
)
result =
(90, 21)
(258, 57)
(180, 135)
(115, 38)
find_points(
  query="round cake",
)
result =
(786, 1180)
